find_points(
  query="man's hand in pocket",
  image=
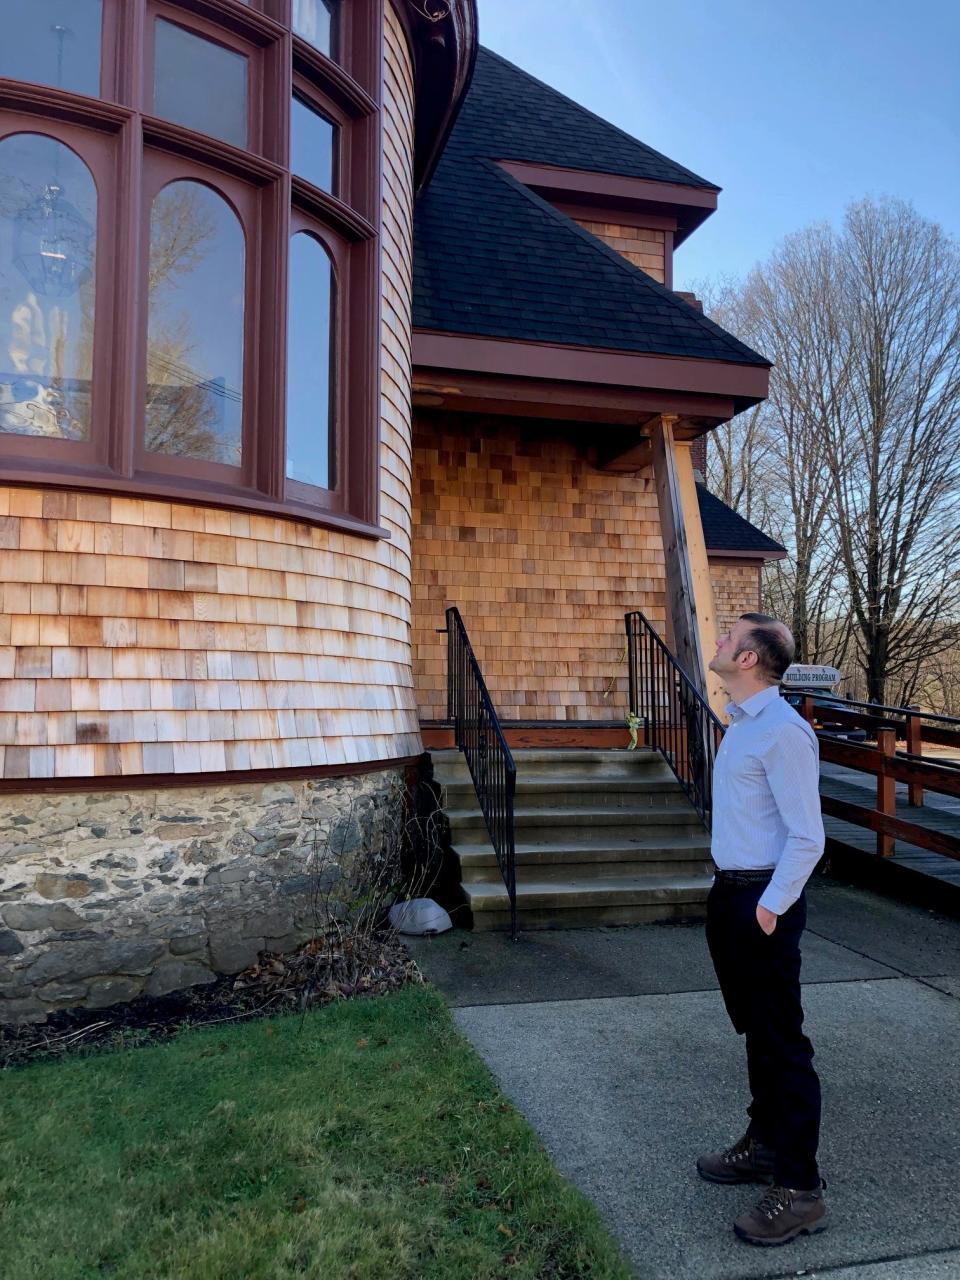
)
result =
(767, 920)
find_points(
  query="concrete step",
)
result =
(541, 826)
(613, 844)
(679, 848)
(562, 793)
(583, 902)
(561, 871)
(602, 837)
(545, 762)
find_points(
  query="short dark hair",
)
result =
(774, 653)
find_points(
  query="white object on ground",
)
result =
(419, 915)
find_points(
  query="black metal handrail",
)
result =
(676, 718)
(478, 735)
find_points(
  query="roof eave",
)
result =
(690, 206)
(730, 553)
(635, 385)
(748, 383)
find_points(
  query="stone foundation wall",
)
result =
(107, 895)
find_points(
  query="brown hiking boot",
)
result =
(781, 1215)
(746, 1161)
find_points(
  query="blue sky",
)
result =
(795, 110)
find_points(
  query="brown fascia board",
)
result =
(743, 384)
(532, 393)
(613, 407)
(690, 206)
(716, 556)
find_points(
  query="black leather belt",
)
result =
(760, 876)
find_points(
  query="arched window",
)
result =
(310, 365)
(48, 221)
(195, 299)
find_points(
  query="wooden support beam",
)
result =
(690, 605)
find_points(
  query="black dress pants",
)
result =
(759, 977)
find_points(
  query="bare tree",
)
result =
(893, 449)
(740, 455)
(767, 463)
(788, 305)
(181, 232)
(860, 462)
(940, 683)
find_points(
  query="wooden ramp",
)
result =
(939, 813)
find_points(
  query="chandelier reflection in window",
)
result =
(53, 244)
(47, 273)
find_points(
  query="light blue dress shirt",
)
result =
(766, 796)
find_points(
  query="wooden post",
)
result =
(690, 606)
(886, 788)
(915, 747)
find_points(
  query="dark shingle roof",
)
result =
(725, 530)
(491, 258)
(510, 115)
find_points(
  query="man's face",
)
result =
(723, 661)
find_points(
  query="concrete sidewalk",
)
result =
(615, 1044)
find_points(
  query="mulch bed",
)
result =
(321, 971)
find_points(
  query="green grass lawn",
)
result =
(367, 1140)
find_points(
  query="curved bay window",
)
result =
(188, 250)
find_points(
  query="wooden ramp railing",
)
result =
(886, 765)
(674, 719)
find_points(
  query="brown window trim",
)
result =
(338, 86)
(306, 95)
(318, 81)
(98, 154)
(159, 171)
(245, 20)
(220, 156)
(60, 106)
(191, 493)
(161, 11)
(327, 208)
(335, 500)
(127, 139)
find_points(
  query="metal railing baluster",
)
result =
(478, 735)
(677, 718)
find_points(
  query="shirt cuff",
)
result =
(775, 900)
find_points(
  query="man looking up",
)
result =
(767, 839)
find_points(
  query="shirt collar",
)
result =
(753, 705)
